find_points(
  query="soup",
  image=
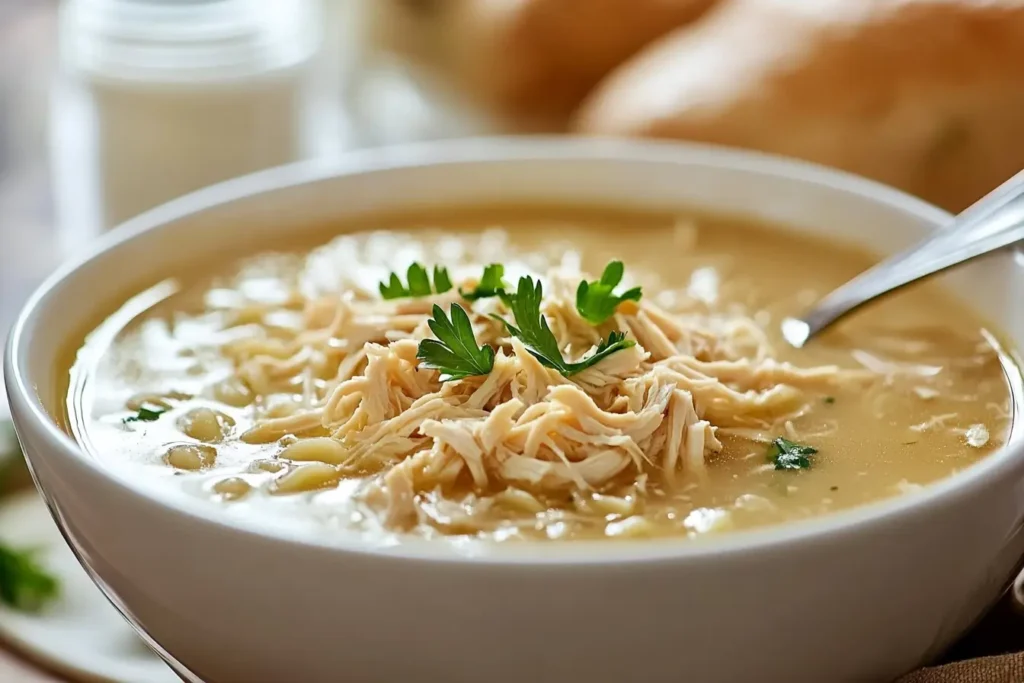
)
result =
(536, 374)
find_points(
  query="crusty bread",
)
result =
(531, 61)
(927, 95)
(540, 58)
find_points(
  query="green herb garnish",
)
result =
(830, 399)
(788, 455)
(532, 329)
(24, 584)
(442, 283)
(596, 301)
(490, 284)
(454, 353)
(419, 283)
(146, 414)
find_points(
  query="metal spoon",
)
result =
(993, 222)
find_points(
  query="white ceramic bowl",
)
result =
(858, 596)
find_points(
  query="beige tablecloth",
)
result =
(1004, 669)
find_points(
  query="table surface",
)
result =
(29, 245)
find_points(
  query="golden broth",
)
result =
(939, 403)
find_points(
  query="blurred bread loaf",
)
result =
(927, 95)
(530, 61)
(415, 29)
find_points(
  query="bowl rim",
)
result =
(30, 414)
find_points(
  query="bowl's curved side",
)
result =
(233, 606)
(827, 600)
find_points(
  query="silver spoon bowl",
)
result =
(993, 222)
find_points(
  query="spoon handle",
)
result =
(995, 221)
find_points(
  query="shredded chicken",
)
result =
(524, 433)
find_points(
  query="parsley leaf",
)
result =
(442, 283)
(595, 300)
(419, 283)
(147, 414)
(532, 329)
(789, 455)
(454, 353)
(490, 284)
(24, 584)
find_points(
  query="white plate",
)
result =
(80, 636)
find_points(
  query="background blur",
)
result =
(27, 53)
